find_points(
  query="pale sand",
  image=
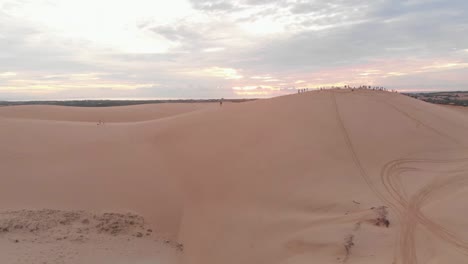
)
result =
(132, 113)
(461, 109)
(53, 236)
(285, 180)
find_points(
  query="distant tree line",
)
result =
(107, 103)
(445, 98)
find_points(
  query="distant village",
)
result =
(458, 98)
(352, 88)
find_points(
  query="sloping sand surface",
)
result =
(82, 165)
(293, 180)
(70, 165)
(461, 109)
(320, 177)
(104, 114)
(54, 236)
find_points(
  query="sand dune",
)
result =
(105, 114)
(54, 236)
(71, 165)
(460, 109)
(323, 177)
(296, 176)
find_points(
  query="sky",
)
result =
(84, 49)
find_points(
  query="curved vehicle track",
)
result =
(407, 206)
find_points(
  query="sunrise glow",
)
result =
(187, 48)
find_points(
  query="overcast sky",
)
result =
(69, 49)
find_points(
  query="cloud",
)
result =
(311, 7)
(177, 33)
(419, 34)
(218, 72)
(213, 5)
(7, 74)
(204, 48)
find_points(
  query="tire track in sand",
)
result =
(356, 161)
(419, 122)
(408, 210)
(349, 146)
